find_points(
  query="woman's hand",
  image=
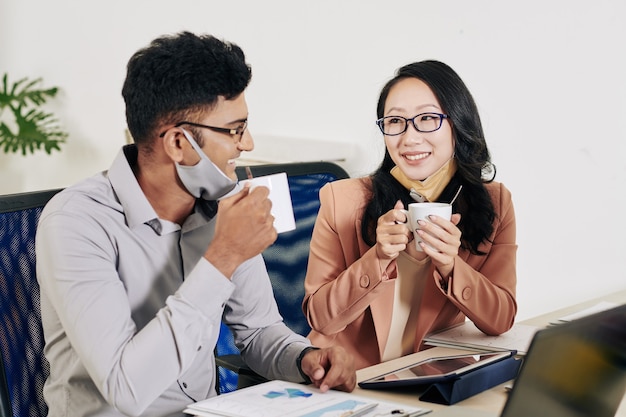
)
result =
(444, 239)
(392, 235)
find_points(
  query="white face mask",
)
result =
(204, 179)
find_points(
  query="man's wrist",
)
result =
(222, 260)
(306, 350)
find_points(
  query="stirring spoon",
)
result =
(456, 195)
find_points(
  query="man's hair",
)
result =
(177, 76)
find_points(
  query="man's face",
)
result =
(222, 148)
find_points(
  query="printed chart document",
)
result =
(287, 399)
(467, 335)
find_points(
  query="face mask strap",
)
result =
(193, 142)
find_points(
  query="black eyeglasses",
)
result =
(236, 132)
(423, 122)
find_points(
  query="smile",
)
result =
(417, 157)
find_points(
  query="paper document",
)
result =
(467, 335)
(286, 399)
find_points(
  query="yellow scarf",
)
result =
(431, 188)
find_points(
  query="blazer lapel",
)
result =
(382, 308)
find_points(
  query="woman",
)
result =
(367, 287)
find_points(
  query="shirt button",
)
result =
(185, 385)
(199, 348)
(365, 281)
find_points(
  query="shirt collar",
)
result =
(137, 208)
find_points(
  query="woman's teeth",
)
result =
(416, 157)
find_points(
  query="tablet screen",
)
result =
(438, 368)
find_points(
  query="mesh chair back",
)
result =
(24, 368)
(287, 258)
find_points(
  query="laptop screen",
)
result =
(574, 369)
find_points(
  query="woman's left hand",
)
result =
(444, 239)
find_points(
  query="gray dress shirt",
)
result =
(131, 309)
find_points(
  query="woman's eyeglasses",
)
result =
(423, 122)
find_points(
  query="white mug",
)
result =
(282, 208)
(421, 211)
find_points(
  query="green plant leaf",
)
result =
(35, 127)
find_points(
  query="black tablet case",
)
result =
(469, 384)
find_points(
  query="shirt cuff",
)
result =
(206, 279)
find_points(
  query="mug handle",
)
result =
(406, 214)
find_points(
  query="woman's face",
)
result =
(417, 154)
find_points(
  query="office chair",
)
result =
(22, 364)
(286, 261)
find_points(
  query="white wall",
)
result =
(547, 76)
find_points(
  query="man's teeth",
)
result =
(416, 157)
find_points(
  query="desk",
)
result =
(542, 320)
(491, 400)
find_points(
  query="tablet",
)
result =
(435, 369)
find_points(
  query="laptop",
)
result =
(574, 369)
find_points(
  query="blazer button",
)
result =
(467, 293)
(365, 281)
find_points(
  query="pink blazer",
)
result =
(349, 291)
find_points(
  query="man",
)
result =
(139, 264)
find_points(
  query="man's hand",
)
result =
(244, 228)
(330, 368)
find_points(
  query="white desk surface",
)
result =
(491, 400)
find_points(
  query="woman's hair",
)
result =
(177, 76)
(474, 167)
